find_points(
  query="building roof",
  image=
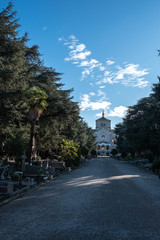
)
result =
(103, 118)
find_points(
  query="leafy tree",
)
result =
(12, 74)
(114, 151)
(93, 152)
(16, 74)
(69, 152)
(139, 134)
(84, 151)
(16, 146)
(22, 77)
(36, 103)
(121, 139)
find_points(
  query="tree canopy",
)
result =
(139, 134)
(26, 84)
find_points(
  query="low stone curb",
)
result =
(16, 195)
(21, 192)
(141, 168)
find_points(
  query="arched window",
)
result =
(107, 147)
(98, 146)
(103, 137)
(103, 147)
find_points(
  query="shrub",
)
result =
(69, 153)
(149, 156)
(123, 154)
(156, 165)
(114, 152)
(93, 152)
(84, 151)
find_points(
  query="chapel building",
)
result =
(105, 136)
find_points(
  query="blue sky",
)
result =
(106, 49)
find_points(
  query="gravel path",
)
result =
(104, 199)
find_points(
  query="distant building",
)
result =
(105, 136)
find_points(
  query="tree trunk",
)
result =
(31, 141)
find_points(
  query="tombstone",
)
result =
(23, 161)
(28, 179)
(10, 188)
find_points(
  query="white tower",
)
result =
(105, 136)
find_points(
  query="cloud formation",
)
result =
(80, 56)
(110, 62)
(102, 74)
(128, 74)
(116, 112)
(101, 104)
(87, 104)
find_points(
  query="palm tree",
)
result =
(36, 103)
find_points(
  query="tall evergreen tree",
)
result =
(13, 74)
(21, 69)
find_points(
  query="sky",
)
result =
(106, 50)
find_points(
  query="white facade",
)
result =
(105, 136)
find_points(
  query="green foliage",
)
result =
(26, 84)
(36, 98)
(156, 165)
(35, 102)
(84, 151)
(149, 155)
(139, 134)
(69, 152)
(114, 152)
(16, 145)
(93, 152)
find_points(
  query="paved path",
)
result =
(103, 200)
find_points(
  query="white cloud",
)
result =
(84, 64)
(80, 47)
(131, 70)
(71, 47)
(101, 68)
(110, 80)
(118, 112)
(98, 114)
(106, 73)
(72, 37)
(77, 56)
(128, 74)
(141, 83)
(60, 39)
(85, 73)
(131, 75)
(102, 86)
(99, 105)
(77, 52)
(101, 93)
(110, 62)
(93, 61)
(92, 94)
(86, 103)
